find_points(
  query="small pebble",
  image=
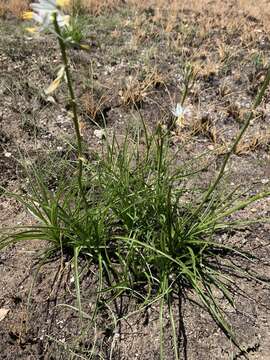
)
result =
(100, 134)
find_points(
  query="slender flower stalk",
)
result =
(73, 105)
(48, 14)
(234, 145)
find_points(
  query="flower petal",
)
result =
(44, 10)
(32, 29)
(53, 86)
(27, 15)
(56, 82)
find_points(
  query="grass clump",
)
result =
(144, 226)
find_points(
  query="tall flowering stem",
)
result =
(73, 104)
(235, 143)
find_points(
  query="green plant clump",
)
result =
(142, 219)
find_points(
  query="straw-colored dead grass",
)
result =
(249, 8)
(15, 7)
(98, 6)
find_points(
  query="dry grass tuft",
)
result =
(136, 89)
(96, 7)
(255, 142)
(94, 106)
(14, 7)
(204, 126)
(165, 10)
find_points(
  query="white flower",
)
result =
(179, 111)
(44, 11)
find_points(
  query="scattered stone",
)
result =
(100, 134)
(3, 313)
